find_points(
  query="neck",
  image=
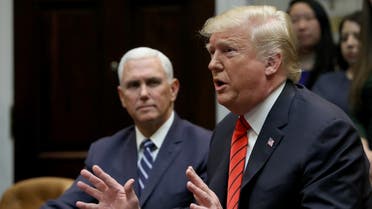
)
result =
(307, 60)
(148, 128)
(350, 73)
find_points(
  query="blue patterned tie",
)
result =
(146, 162)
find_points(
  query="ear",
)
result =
(175, 86)
(272, 64)
(121, 96)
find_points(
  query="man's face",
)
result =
(238, 75)
(146, 92)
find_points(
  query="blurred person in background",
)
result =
(361, 85)
(335, 86)
(315, 41)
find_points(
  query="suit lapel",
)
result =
(265, 145)
(271, 134)
(218, 163)
(129, 153)
(167, 153)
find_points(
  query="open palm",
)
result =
(109, 193)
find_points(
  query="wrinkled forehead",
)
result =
(233, 36)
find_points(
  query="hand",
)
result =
(109, 193)
(204, 196)
(368, 153)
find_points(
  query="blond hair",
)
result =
(270, 33)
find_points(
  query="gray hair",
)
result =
(146, 52)
(270, 33)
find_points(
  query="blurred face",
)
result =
(350, 41)
(238, 75)
(146, 92)
(305, 25)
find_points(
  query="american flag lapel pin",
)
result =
(270, 142)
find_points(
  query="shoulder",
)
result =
(117, 138)
(311, 110)
(330, 77)
(192, 135)
(190, 128)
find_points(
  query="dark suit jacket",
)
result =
(185, 145)
(316, 160)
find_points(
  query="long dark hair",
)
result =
(364, 65)
(325, 50)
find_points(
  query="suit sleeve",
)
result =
(336, 169)
(68, 199)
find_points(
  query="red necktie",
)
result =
(238, 151)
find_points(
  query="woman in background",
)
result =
(361, 86)
(335, 86)
(315, 41)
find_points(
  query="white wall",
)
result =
(335, 9)
(6, 93)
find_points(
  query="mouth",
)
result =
(219, 84)
(145, 107)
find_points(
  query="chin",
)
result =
(148, 117)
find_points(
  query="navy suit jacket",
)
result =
(316, 160)
(185, 145)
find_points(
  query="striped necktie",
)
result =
(146, 162)
(238, 151)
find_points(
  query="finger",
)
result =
(195, 206)
(128, 187)
(89, 190)
(98, 183)
(131, 195)
(83, 205)
(107, 179)
(200, 196)
(195, 179)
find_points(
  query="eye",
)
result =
(295, 19)
(153, 82)
(357, 35)
(229, 49)
(344, 37)
(132, 85)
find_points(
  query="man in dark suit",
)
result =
(147, 91)
(299, 151)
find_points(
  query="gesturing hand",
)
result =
(109, 193)
(204, 196)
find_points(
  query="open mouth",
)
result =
(219, 84)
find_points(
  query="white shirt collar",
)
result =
(158, 137)
(257, 116)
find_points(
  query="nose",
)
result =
(302, 24)
(144, 92)
(215, 64)
(351, 41)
